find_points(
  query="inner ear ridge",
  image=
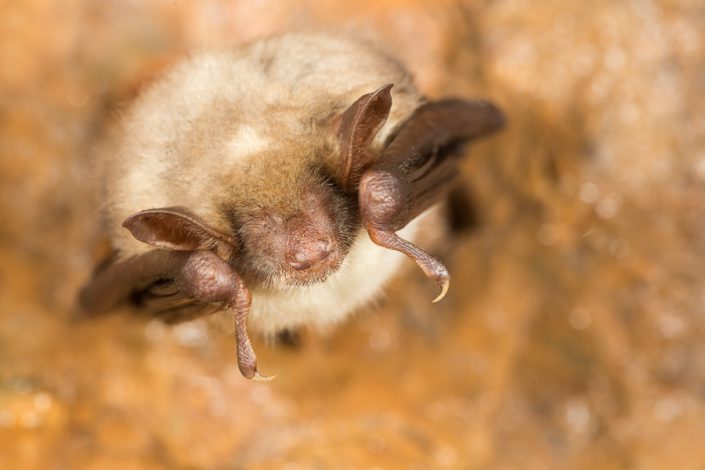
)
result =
(175, 228)
(359, 125)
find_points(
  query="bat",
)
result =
(278, 181)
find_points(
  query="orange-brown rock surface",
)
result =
(573, 335)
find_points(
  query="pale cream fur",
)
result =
(215, 114)
(247, 141)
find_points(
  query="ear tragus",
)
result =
(358, 126)
(176, 228)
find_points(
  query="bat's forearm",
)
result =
(207, 278)
(431, 267)
(200, 275)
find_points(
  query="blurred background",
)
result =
(573, 333)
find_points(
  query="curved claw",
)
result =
(249, 371)
(445, 284)
(262, 378)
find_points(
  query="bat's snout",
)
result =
(312, 251)
(310, 255)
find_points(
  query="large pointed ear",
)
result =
(177, 228)
(357, 128)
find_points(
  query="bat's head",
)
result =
(292, 209)
(295, 232)
(296, 211)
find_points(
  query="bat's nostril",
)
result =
(309, 256)
(299, 265)
(324, 245)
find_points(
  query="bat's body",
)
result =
(223, 131)
(282, 171)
